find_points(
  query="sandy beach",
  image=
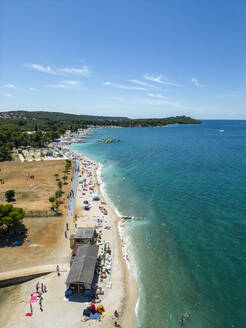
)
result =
(120, 287)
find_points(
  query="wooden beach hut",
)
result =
(82, 271)
(83, 235)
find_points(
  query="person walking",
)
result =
(42, 287)
(31, 308)
(40, 304)
(58, 270)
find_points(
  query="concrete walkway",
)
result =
(32, 268)
(72, 200)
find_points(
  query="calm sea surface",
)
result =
(189, 183)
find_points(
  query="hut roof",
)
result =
(84, 233)
(75, 249)
(83, 267)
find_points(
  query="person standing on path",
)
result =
(31, 309)
(58, 270)
(40, 303)
(67, 226)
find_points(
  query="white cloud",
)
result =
(197, 84)
(159, 80)
(33, 89)
(9, 95)
(68, 84)
(81, 71)
(9, 85)
(124, 87)
(41, 68)
(145, 84)
(157, 96)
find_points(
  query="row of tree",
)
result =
(56, 199)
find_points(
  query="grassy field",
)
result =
(43, 234)
(33, 194)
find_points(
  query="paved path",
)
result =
(31, 268)
(72, 200)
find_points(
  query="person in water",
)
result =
(187, 315)
(182, 321)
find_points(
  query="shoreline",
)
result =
(124, 242)
(123, 295)
(129, 301)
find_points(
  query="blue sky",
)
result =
(134, 58)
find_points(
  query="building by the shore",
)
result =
(81, 275)
(83, 235)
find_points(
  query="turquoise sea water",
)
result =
(189, 182)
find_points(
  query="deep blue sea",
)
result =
(189, 183)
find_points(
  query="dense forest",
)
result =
(48, 126)
(157, 121)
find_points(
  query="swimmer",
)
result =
(182, 321)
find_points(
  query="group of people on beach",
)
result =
(40, 290)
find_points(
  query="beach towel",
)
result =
(28, 314)
(33, 299)
(95, 316)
